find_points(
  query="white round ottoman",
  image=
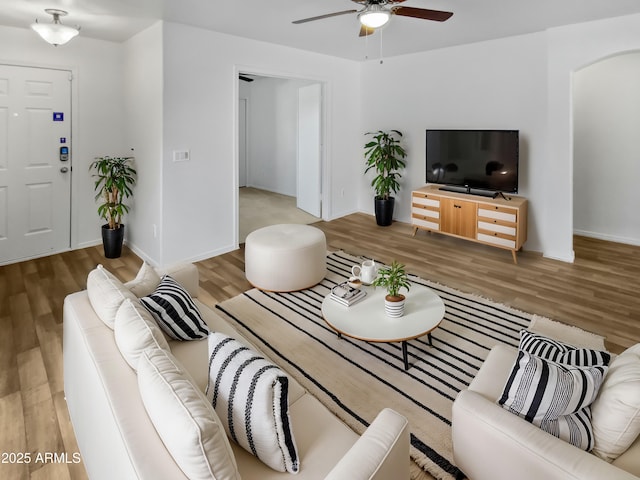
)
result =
(285, 258)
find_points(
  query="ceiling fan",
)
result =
(377, 13)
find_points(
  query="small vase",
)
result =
(394, 306)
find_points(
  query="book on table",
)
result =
(346, 295)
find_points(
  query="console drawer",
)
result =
(497, 240)
(499, 213)
(426, 201)
(496, 227)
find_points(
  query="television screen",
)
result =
(474, 161)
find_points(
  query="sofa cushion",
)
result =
(250, 395)
(135, 330)
(616, 411)
(559, 352)
(145, 282)
(174, 310)
(184, 419)
(554, 397)
(106, 294)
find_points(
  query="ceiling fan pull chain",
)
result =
(381, 59)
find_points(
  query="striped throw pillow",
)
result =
(554, 397)
(559, 352)
(174, 310)
(250, 395)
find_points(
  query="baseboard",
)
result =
(608, 238)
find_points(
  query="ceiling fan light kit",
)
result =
(374, 16)
(55, 33)
(377, 13)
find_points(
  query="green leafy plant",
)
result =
(393, 278)
(385, 155)
(115, 178)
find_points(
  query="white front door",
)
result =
(309, 149)
(35, 180)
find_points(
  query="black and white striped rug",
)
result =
(356, 379)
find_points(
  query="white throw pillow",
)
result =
(554, 397)
(145, 282)
(251, 396)
(616, 411)
(106, 294)
(184, 419)
(135, 330)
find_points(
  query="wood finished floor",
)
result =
(599, 293)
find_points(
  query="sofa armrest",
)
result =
(382, 452)
(491, 443)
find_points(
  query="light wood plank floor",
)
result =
(599, 293)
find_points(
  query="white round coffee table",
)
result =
(366, 320)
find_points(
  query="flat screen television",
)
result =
(480, 162)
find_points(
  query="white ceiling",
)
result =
(270, 21)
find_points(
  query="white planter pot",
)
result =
(394, 308)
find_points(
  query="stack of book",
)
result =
(346, 295)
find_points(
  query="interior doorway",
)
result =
(280, 153)
(605, 167)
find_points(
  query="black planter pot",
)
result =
(112, 241)
(384, 211)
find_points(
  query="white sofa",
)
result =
(491, 443)
(118, 440)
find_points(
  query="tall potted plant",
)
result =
(115, 178)
(385, 155)
(393, 278)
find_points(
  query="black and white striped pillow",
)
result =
(250, 395)
(174, 310)
(554, 397)
(559, 352)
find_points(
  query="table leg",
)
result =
(430, 339)
(405, 356)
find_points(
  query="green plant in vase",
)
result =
(393, 278)
(384, 155)
(115, 178)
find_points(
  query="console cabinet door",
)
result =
(458, 217)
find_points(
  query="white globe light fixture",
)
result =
(374, 16)
(55, 33)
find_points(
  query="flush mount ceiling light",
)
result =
(374, 16)
(55, 33)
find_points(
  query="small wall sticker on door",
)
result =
(58, 116)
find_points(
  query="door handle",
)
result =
(64, 169)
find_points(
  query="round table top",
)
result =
(366, 320)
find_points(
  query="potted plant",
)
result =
(115, 178)
(393, 278)
(384, 155)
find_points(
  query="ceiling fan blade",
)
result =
(320, 17)
(424, 13)
(366, 31)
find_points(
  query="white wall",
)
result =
(273, 127)
(143, 76)
(499, 84)
(199, 201)
(606, 166)
(98, 110)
